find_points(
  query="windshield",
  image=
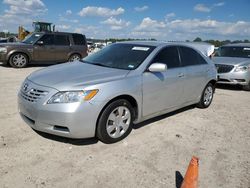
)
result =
(32, 38)
(232, 51)
(120, 56)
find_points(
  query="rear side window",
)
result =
(190, 57)
(62, 40)
(47, 39)
(169, 56)
(79, 39)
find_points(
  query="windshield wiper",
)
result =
(99, 64)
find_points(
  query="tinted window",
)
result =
(62, 40)
(190, 57)
(169, 56)
(78, 39)
(47, 39)
(234, 51)
(120, 56)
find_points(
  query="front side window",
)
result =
(190, 57)
(47, 39)
(168, 56)
(230, 51)
(32, 38)
(120, 56)
(62, 40)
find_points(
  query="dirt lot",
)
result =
(149, 157)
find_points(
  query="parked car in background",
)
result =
(8, 39)
(124, 83)
(233, 64)
(44, 47)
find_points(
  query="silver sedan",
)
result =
(107, 92)
(233, 64)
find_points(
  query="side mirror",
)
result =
(40, 42)
(157, 67)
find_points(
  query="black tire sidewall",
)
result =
(101, 125)
(201, 103)
(11, 60)
(247, 87)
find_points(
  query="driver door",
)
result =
(44, 49)
(163, 90)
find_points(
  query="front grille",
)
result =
(33, 95)
(224, 68)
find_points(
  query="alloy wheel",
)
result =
(208, 95)
(19, 60)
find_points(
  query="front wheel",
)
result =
(206, 96)
(247, 87)
(18, 60)
(115, 122)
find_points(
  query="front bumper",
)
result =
(234, 78)
(3, 58)
(73, 120)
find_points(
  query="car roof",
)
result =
(238, 45)
(56, 32)
(160, 43)
(205, 48)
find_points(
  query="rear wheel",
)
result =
(115, 122)
(207, 96)
(74, 57)
(247, 87)
(18, 60)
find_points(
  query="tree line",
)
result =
(218, 43)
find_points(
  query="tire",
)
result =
(18, 60)
(74, 57)
(206, 96)
(246, 87)
(115, 122)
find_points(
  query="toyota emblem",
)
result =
(25, 87)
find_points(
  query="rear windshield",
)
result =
(120, 56)
(236, 51)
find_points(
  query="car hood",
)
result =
(75, 75)
(231, 60)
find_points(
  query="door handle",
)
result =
(180, 75)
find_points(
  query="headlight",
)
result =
(3, 50)
(243, 68)
(72, 96)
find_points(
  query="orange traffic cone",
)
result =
(191, 177)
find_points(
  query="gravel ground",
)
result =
(150, 156)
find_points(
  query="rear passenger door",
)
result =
(62, 47)
(163, 90)
(196, 73)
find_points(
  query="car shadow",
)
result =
(76, 142)
(178, 179)
(229, 87)
(158, 118)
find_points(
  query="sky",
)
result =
(143, 19)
